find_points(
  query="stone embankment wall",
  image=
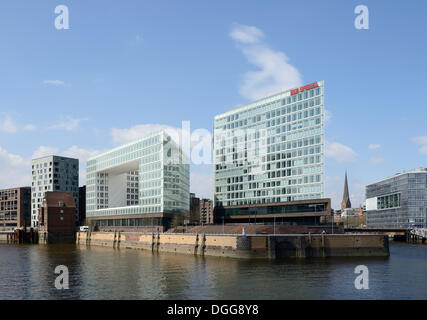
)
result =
(244, 246)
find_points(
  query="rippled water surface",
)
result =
(27, 272)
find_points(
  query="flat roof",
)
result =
(418, 170)
(255, 102)
(148, 135)
(53, 156)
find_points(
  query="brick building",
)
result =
(15, 208)
(56, 220)
(201, 210)
(206, 211)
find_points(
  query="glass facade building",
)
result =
(271, 150)
(398, 202)
(137, 182)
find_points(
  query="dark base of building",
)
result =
(289, 221)
(137, 223)
(305, 212)
(57, 237)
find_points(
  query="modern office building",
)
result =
(269, 158)
(15, 208)
(137, 185)
(399, 201)
(53, 173)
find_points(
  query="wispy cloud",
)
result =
(421, 140)
(376, 159)
(328, 116)
(374, 146)
(135, 132)
(73, 152)
(246, 34)
(54, 82)
(7, 125)
(201, 184)
(67, 123)
(341, 153)
(14, 170)
(44, 151)
(275, 73)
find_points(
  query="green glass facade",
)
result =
(147, 176)
(271, 150)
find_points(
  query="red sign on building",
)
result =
(302, 89)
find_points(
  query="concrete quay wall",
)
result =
(244, 246)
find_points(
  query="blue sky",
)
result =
(125, 67)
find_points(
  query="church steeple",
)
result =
(346, 196)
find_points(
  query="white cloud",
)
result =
(422, 140)
(341, 153)
(374, 146)
(246, 34)
(328, 116)
(135, 132)
(377, 159)
(15, 171)
(276, 73)
(29, 127)
(72, 152)
(44, 151)
(54, 82)
(196, 144)
(8, 126)
(201, 184)
(82, 155)
(67, 123)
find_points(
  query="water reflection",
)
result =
(27, 272)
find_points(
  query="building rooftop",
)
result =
(59, 199)
(256, 103)
(52, 155)
(417, 170)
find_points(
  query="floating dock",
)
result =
(245, 246)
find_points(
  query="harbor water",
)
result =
(28, 272)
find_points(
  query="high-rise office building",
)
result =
(140, 184)
(53, 173)
(269, 157)
(399, 201)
